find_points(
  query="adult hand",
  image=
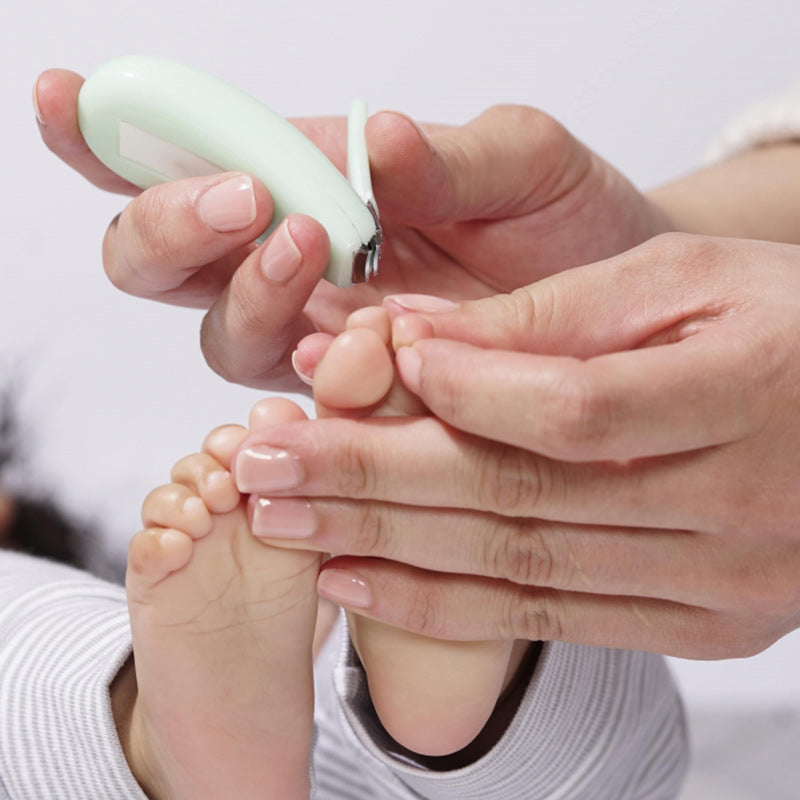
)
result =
(614, 461)
(460, 207)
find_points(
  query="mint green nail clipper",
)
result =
(152, 120)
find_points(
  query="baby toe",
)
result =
(375, 318)
(155, 553)
(223, 442)
(274, 411)
(203, 474)
(176, 506)
(356, 372)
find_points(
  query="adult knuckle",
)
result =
(369, 534)
(533, 616)
(686, 253)
(523, 313)
(247, 316)
(355, 467)
(670, 246)
(215, 352)
(532, 124)
(148, 220)
(222, 343)
(509, 481)
(579, 415)
(448, 392)
(511, 113)
(552, 137)
(423, 612)
(522, 555)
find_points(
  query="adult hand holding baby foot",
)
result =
(618, 474)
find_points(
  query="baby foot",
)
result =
(433, 697)
(222, 634)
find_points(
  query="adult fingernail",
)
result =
(409, 365)
(228, 206)
(307, 379)
(422, 132)
(266, 469)
(281, 258)
(283, 518)
(36, 109)
(344, 588)
(424, 303)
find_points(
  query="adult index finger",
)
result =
(705, 390)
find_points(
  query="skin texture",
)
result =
(222, 634)
(489, 207)
(434, 697)
(618, 476)
(223, 624)
(459, 207)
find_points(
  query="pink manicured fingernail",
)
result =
(409, 365)
(265, 469)
(283, 518)
(281, 258)
(307, 379)
(228, 206)
(36, 109)
(425, 303)
(344, 588)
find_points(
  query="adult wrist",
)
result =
(752, 195)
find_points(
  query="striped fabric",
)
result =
(594, 723)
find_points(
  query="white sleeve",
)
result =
(594, 724)
(768, 122)
(63, 637)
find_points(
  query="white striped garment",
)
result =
(594, 723)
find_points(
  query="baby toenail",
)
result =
(193, 505)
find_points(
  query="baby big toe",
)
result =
(355, 372)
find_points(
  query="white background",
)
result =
(115, 389)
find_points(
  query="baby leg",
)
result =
(432, 696)
(222, 633)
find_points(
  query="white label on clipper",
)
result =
(158, 155)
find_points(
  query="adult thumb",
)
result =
(509, 161)
(616, 304)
